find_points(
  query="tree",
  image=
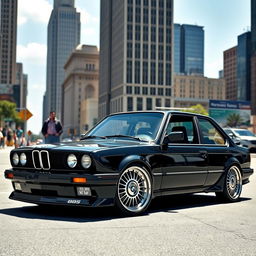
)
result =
(234, 120)
(8, 110)
(197, 109)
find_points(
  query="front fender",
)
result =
(129, 160)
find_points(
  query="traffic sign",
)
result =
(25, 114)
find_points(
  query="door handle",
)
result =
(204, 154)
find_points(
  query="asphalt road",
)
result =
(183, 225)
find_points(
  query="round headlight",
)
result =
(23, 159)
(15, 159)
(72, 161)
(86, 161)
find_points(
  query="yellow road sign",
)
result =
(25, 114)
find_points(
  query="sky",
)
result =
(223, 21)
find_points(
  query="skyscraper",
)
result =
(63, 37)
(244, 66)
(230, 72)
(135, 55)
(8, 41)
(188, 49)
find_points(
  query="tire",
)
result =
(232, 185)
(134, 191)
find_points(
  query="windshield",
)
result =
(139, 125)
(244, 133)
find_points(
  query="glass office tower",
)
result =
(188, 49)
(244, 66)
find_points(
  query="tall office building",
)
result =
(63, 37)
(188, 49)
(8, 41)
(230, 72)
(244, 66)
(135, 55)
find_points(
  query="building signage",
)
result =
(230, 113)
(6, 89)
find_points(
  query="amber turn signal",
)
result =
(9, 176)
(79, 180)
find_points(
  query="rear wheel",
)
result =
(232, 186)
(134, 191)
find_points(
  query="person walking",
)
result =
(19, 136)
(52, 129)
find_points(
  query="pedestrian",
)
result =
(4, 132)
(52, 129)
(10, 137)
(19, 135)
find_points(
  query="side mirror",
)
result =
(175, 137)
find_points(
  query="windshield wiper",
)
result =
(93, 137)
(123, 136)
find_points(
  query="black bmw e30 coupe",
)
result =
(128, 159)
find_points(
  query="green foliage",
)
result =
(197, 109)
(8, 110)
(234, 120)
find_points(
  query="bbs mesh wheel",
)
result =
(134, 190)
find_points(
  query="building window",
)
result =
(138, 2)
(158, 102)
(152, 91)
(168, 35)
(153, 73)
(139, 103)
(137, 72)
(145, 2)
(137, 51)
(160, 52)
(130, 14)
(161, 35)
(145, 72)
(129, 50)
(129, 89)
(168, 80)
(167, 103)
(129, 71)
(137, 32)
(153, 34)
(153, 52)
(161, 3)
(160, 73)
(149, 104)
(129, 32)
(168, 53)
(137, 90)
(129, 104)
(168, 16)
(153, 3)
(145, 15)
(137, 16)
(145, 90)
(168, 92)
(153, 16)
(145, 33)
(160, 91)
(145, 51)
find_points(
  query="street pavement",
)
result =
(176, 225)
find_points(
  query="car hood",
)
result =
(90, 145)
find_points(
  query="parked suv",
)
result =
(245, 137)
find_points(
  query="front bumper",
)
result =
(59, 189)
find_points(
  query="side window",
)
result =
(210, 135)
(186, 125)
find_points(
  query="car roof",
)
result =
(163, 112)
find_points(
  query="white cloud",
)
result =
(33, 53)
(34, 10)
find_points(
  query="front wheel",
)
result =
(134, 191)
(232, 185)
